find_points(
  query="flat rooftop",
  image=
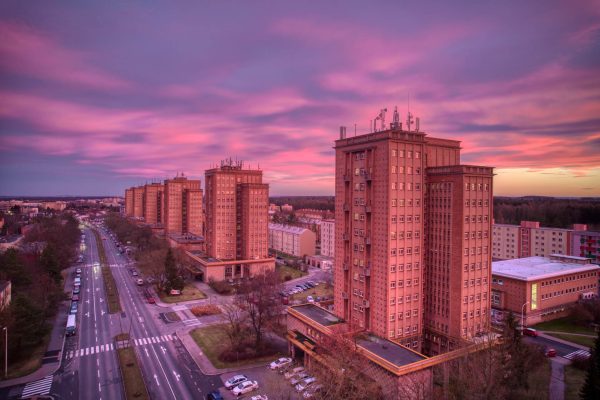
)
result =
(535, 268)
(389, 351)
(318, 314)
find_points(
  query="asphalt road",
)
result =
(168, 369)
(561, 348)
(90, 367)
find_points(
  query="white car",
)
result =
(279, 363)
(259, 397)
(235, 380)
(311, 391)
(295, 380)
(310, 299)
(245, 387)
(300, 387)
(290, 374)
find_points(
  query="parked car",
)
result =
(75, 297)
(312, 391)
(78, 270)
(292, 372)
(214, 395)
(73, 308)
(77, 281)
(311, 284)
(310, 299)
(134, 273)
(306, 382)
(140, 282)
(235, 380)
(245, 387)
(530, 332)
(150, 300)
(296, 380)
(259, 397)
(280, 363)
(76, 289)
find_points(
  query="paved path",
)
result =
(570, 334)
(557, 380)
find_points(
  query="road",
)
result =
(562, 349)
(168, 369)
(90, 367)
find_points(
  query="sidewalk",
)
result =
(52, 359)
(557, 379)
(550, 337)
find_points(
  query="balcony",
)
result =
(345, 266)
(367, 271)
(347, 177)
(366, 304)
(346, 207)
(368, 209)
(346, 236)
(368, 177)
(344, 295)
(368, 240)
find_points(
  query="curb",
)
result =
(566, 342)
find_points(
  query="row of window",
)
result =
(475, 297)
(408, 170)
(475, 250)
(568, 278)
(476, 218)
(407, 202)
(474, 266)
(407, 330)
(407, 283)
(479, 187)
(475, 203)
(407, 234)
(570, 290)
(407, 218)
(409, 153)
(408, 298)
(478, 234)
(400, 268)
(402, 315)
(475, 282)
(407, 251)
(475, 313)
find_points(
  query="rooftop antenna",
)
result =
(355, 129)
(380, 117)
(396, 119)
(409, 117)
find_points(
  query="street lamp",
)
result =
(5, 351)
(522, 312)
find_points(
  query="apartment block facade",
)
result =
(293, 240)
(328, 238)
(153, 203)
(182, 206)
(383, 236)
(529, 239)
(129, 202)
(585, 244)
(138, 202)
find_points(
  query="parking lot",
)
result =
(272, 383)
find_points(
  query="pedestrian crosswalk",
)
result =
(152, 340)
(37, 388)
(191, 322)
(578, 354)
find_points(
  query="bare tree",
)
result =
(236, 323)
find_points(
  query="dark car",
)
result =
(76, 290)
(214, 395)
(75, 297)
(530, 332)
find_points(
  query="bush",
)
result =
(207, 309)
(220, 287)
(246, 352)
(287, 278)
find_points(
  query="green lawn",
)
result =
(213, 339)
(132, 375)
(582, 340)
(574, 379)
(189, 292)
(321, 290)
(564, 325)
(285, 270)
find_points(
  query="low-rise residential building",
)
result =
(541, 288)
(328, 238)
(586, 244)
(292, 240)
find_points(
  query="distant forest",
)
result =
(549, 211)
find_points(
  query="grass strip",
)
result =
(189, 292)
(582, 340)
(110, 286)
(135, 388)
(574, 380)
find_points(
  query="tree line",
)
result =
(37, 282)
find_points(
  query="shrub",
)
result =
(207, 309)
(220, 287)
(287, 278)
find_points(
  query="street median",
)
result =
(110, 286)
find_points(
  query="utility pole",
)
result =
(5, 351)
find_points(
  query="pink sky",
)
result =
(98, 97)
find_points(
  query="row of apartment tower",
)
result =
(413, 238)
(232, 215)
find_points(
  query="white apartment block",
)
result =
(328, 237)
(292, 240)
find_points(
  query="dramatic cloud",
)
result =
(97, 96)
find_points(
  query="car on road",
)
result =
(73, 308)
(245, 387)
(214, 395)
(280, 363)
(550, 352)
(76, 289)
(530, 332)
(235, 380)
(306, 382)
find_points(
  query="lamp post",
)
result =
(522, 312)
(5, 351)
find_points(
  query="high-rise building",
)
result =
(153, 203)
(401, 217)
(138, 202)
(182, 206)
(328, 237)
(129, 202)
(237, 203)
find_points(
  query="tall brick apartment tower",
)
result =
(129, 202)
(153, 203)
(182, 206)
(400, 245)
(138, 202)
(236, 213)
